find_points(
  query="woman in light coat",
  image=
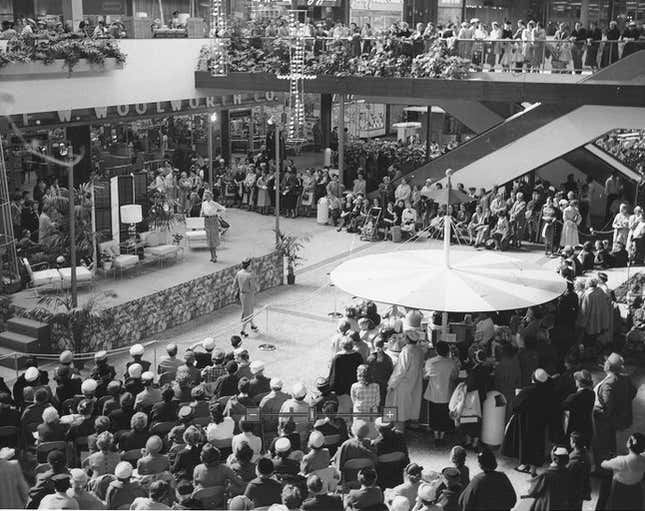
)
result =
(14, 490)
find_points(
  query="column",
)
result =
(73, 11)
(341, 137)
(428, 131)
(225, 135)
(325, 119)
(79, 137)
(584, 13)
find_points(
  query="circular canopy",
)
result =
(474, 282)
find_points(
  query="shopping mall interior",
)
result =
(322, 255)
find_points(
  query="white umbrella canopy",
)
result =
(472, 282)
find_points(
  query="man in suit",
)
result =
(320, 500)
(613, 408)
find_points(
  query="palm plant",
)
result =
(74, 322)
(290, 246)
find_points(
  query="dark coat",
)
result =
(580, 406)
(342, 374)
(532, 407)
(488, 491)
(551, 490)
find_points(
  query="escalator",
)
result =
(538, 135)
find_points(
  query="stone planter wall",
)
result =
(58, 67)
(144, 317)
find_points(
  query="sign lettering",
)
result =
(100, 112)
(65, 115)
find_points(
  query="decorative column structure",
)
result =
(8, 256)
(296, 120)
(218, 63)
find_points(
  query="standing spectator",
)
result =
(626, 487)
(406, 382)
(578, 407)
(551, 489)
(532, 409)
(579, 38)
(490, 489)
(124, 490)
(441, 372)
(508, 376)
(14, 490)
(613, 407)
(380, 367)
(365, 396)
(579, 469)
(342, 374)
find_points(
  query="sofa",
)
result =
(195, 232)
(120, 261)
(155, 247)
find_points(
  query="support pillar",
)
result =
(341, 138)
(428, 131)
(79, 137)
(325, 119)
(73, 12)
(584, 13)
(225, 134)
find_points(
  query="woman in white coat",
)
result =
(571, 219)
(405, 386)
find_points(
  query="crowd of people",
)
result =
(23, 27)
(626, 145)
(517, 46)
(211, 430)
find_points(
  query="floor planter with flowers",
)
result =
(58, 67)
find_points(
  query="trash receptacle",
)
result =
(322, 212)
(493, 419)
(396, 234)
(327, 157)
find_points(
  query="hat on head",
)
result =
(413, 335)
(100, 355)
(561, 451)
(276, 383)
(218, 354)
(148, 376)
(400, 503)
(208, 343)
(360, 428)
(154, 444)
(197, 392)
(282, 444)
(322, 383)
(113, 386)
(189, 356)
(540, 375)
(615, 362)
(123, 470)
(299, 390)
(240, 503)
(79, 476)
(584, 377)
(603, 276)
(136, 350)
(414, 469)
(66, 357)
(135, 370)
(451, 474)
(185, 412)
(316, 439)
(32, 374)
(257, 367)
(382, 424)
(88, 386)
(427, 492)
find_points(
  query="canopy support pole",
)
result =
(444, 325)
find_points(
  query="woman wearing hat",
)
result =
(211, 211)
(410, 487)
(552, 487)
(578, 407)
(531, 407)
(570, 221)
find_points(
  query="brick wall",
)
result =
(144, 317)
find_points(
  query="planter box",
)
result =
(56, 68)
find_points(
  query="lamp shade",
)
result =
(131, 214)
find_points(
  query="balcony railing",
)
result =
(422, 58)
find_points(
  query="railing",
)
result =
(409, 57)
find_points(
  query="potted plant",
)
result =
(176, 238)
(106, 260)
(290, 246)
(161, 214)
(75, 322)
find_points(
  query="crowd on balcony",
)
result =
(626, 145)
(29, 28)
(506, 46)
(178, 435)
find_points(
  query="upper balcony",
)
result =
(420, 71)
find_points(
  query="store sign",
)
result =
(377, 5)
(323, 3)
(158, 109)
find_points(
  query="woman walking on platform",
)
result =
(210, 211)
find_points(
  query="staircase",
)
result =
(24, 336)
